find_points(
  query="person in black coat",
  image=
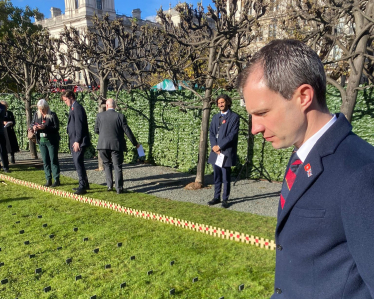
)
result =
(45, 125)
(3, 151)
(111, 127)
(223, 136)
(79, 138)
(10, 136)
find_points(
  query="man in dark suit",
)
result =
(111, 127)
(3, 151)
(79, 138)
(324, 232)
(223, 136)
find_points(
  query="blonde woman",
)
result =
(46, 126)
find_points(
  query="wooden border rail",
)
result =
(201, 228)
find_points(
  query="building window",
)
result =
(76, 4)
(259, 34)
(272, 30)
(99, 4)
(80, 76)
(274, 5)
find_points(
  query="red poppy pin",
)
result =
(308, 169)
(72, 108)
(224, 121)
(43, 121)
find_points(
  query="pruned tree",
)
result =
(208, 50)
(341, 31)
(111, 51)
(24, 56)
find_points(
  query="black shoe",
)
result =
(110, 189)
(75, 189)
(48, 183)
(214, 201)
(7, 171)
(80, 191)
(225, 204)
(119, 190)
(56, 183)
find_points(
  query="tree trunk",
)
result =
(212, 68)
(203, 144)
(348, 105)
(102, 99)
(29, 116)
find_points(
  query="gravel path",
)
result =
(257, 197)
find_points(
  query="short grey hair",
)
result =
(288, 64)
(44, 105)
(111, 103)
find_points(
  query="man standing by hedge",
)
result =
(79, 138)
(111, 127)
(223, 136)
(324, 233)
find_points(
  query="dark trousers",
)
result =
(4, 153)
(78, 158)
(49, 152)
(112, 159)
(222, 176)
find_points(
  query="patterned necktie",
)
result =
(290, 178)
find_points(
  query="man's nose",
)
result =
(257, 127)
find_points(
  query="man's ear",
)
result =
(305, 95)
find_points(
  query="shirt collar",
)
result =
(224, 113)
(305, 149)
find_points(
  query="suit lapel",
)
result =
(325, 146)
(301, 185)
(223, 128)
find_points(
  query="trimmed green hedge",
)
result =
(170, 135)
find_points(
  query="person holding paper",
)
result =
(223, 135)
(3, 151)
(10, 136)
(111, 127)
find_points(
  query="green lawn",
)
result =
(220, 265)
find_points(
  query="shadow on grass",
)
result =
(8, 200)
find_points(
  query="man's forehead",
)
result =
(256, 75)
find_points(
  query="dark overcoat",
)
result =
(227, 140)
(324, 233)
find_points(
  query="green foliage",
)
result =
(170, 135)
(14, 17)
(220, 265)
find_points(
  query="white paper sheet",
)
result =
(141, 151)
(220, 159)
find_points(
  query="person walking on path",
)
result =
(223, 136)
(111, 127)
(324, 232)
(3, 151)
(10, 136)
(45, 125)
(79, 138)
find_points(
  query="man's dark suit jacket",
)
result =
(227, 138)
(78, 126)
(111, 127)
(325, 232)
